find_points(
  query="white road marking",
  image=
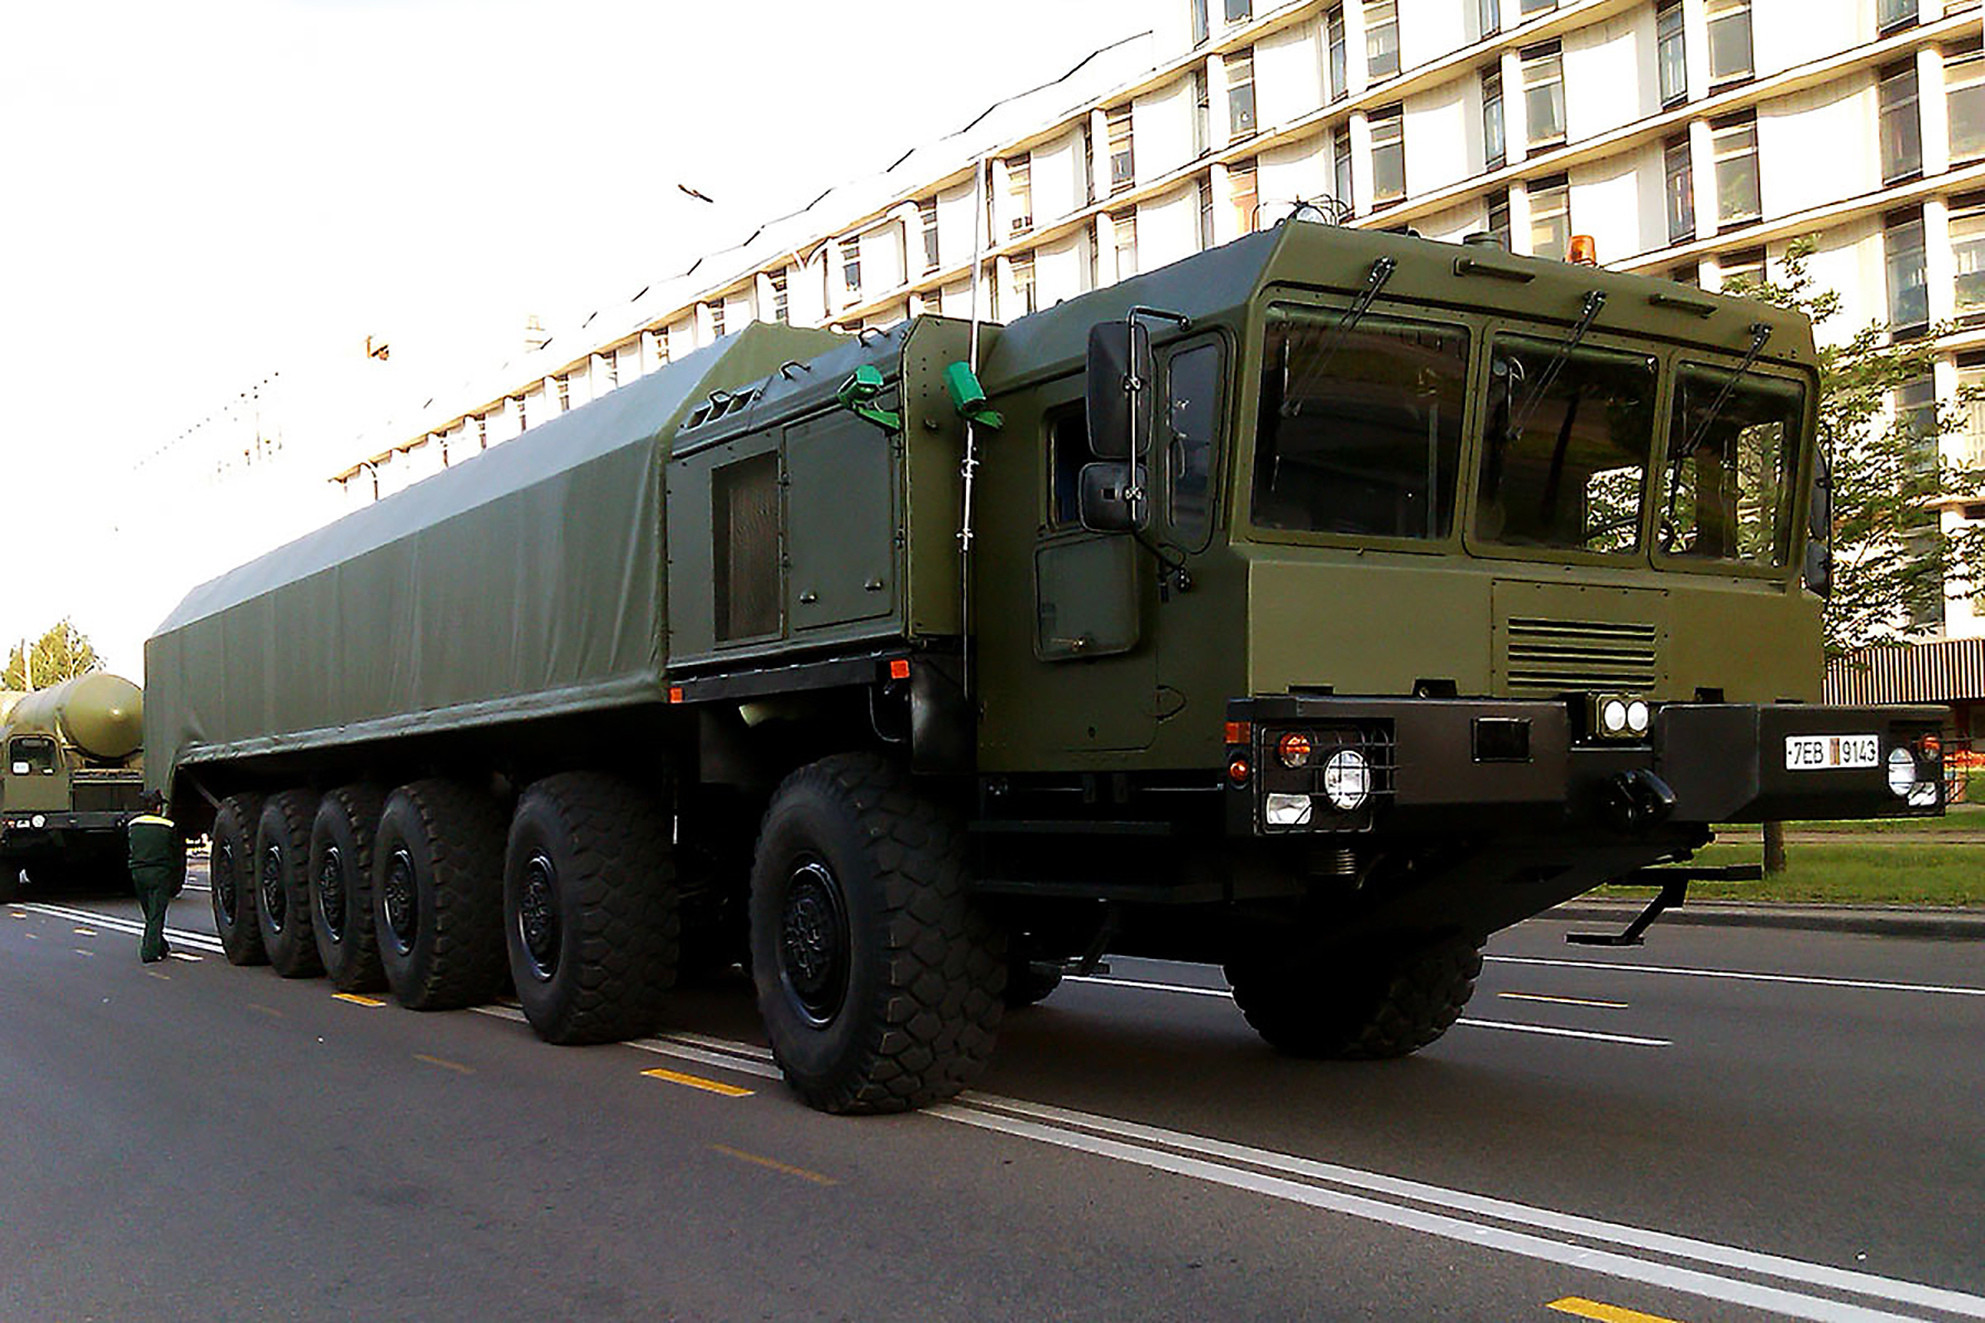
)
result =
(124, 925)
(1630, 1040)
(731, 1056)
(1146, 985)
(1874, 985)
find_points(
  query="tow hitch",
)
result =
(1674, 884)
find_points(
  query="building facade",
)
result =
(1695, 139)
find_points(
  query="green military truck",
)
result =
(1318, 605)
(72, 776)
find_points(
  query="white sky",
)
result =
(201, 194)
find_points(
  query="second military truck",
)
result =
(71, 778)
(1317, 605)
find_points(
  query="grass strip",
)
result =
(1860, 874)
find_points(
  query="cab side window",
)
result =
(1068, 450)
(1193, 413)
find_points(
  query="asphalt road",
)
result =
(1724, 1124)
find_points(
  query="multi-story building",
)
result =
(1696, 139)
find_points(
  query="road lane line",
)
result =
(1639, 1238)
(455, 1066)
(84, 932)
(121, 924)
(20, 914)
(181, 955)
(1873, 985)
(1147, 985)
(153, 973)
(1631, 1040)
(698, 1082)
(266, 1010)
(751, 1050)
(356, 1000)
(1581, 1257)
(1564, 1001)
(769, 1164)
(683, 1052)
(81, 952)
(1592, 1309)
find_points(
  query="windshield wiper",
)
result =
(1594, 301)
(1381, 272)
(1700, 432)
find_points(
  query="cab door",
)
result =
(1186, 481)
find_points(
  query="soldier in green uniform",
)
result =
(158, 871)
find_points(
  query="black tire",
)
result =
(340, 875)
(437, 895)
(1351, 1006)
(231, 879)
(10, 879)
(589, 908)
(878, 976)
(282, 883)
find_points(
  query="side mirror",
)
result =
(1819, 529)
(1112, 497)
(1123, 390)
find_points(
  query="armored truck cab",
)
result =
(1319, 605)
(71, 778)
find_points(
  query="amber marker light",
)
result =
(675, 693)
(1240, 732)
(1293, 748)
(1237, 771)
(899, 668)
(1582, 251)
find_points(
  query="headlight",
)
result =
(1902, 772)
(37, 821)
(1281, 810)
(1347, 780)
(1613, 716)
(1637, 716)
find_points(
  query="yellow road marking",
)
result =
(356, 1000)
(266, 1010)
(769, 1164)
(455, 1066)
(153, 973)
(86, 932)
(698, 1082)
(20, 914)
(189, 959)
(1563, 1001)
(80, 951)
(1592, 1309)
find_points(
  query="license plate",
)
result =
(1805, 753)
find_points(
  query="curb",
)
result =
(1878, 920)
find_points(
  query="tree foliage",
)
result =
(1893, 562)
(60, 654)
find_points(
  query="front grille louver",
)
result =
(1542, 657)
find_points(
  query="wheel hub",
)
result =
(331, 892)
(275, 901)
(401, 913)
(224, 881)
(537, 915)
(813, 942)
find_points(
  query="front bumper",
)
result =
(25, 833)
(1501, 765)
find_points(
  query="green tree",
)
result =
(1893, 562)
(61, 653)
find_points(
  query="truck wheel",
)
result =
(878, 976)
(231, 879)
(589, 908)
(1311, 1003)
(437, 868)
(340, 874)
(282, 884)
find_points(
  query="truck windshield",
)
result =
(33, 755)
(1567, 442)
(1727, 495)
(1360, 426)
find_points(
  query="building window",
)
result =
(1202, 113)
(1964, 81)
(1239, 11)
(564, 386)
(1671, 55)
(1681, 189)
(781, 310)
(1340, 77)
(1242, 189)
(612, 360)
(1491, 14)
(1341, 172)
(927, 222)
(717, 318)
(1240, 93)
(1020, 194)
(1729, 40)
(1743, 271)
(1381, 38)
(1688, 273)
(1971, 399)
(851, 265)
(1544, 95)
(1902, 125)
(1498, 222)
(1528, 7)
(1495, 151)
(1893, 14)
(1734, 144)
(1550, 217)
(1388, 154)
(1023, 284)
(482, 443)
(933, 302)
(1124, 225)
(1200, 31)
(1205, 190)
(1123, 165)
(1908, 281)
(1967, 223)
